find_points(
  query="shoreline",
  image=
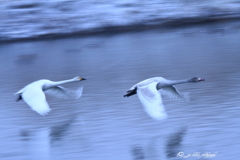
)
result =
(24, 20)
(156, 24)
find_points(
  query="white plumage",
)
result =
(34, 93)
(151, 100)
(150, 97)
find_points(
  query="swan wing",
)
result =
(36, 99)
(152, 101)
(171, 92)
(61, 92)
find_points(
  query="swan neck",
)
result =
(64, 81)
(173, 82)
(170, 83)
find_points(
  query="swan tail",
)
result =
(20, 91)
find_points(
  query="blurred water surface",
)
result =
(24, 19)
(104, 125)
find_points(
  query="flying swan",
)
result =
(151, 99)
(33, 93)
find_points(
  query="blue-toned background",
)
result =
(102, 125)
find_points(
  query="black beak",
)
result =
(83, 79)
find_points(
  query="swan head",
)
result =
(78, 78)
(196, 79)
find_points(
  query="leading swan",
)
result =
(151, 99)
(33, 93)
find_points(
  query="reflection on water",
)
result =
(138, 153)
(104, 125)
(58, 131)
(174, 142)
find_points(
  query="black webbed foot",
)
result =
(130, 92)
(19, 98)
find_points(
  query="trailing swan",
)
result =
(151, 99)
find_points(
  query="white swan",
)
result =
(151, 99)
(33, 93)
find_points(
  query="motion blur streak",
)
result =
(103, 124)
(29, 19)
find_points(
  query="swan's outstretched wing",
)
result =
(152, 101)
(61, 92)
(36, 99)
(171, 92)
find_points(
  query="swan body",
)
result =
(34, 93)
(151, 99)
